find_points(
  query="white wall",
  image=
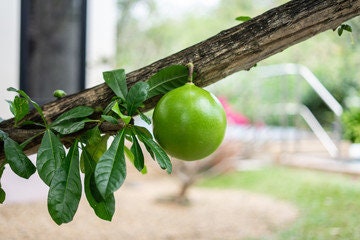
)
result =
(101, 39)
(9, 52)
(101, 43)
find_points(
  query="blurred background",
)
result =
(306, 87)
(133, 34)
(297, 108)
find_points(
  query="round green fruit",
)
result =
(189, 122)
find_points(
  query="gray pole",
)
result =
(52, 52)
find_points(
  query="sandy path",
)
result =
(213, 214)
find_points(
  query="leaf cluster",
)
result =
(344, 27)
(104, 167)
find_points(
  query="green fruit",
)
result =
(189, 122)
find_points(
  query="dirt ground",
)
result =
(212, 214)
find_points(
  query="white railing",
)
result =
(313, 123)
(295, 69)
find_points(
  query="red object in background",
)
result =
(232, 116)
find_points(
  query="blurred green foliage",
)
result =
(351, 122)
(155, 33)
(327, 202)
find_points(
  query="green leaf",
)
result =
(73, 120)
(36, 106)
(18, 161)
(109, 119)
(103, 208)
(29, 122)
(137, 152)
(74, 113)
(148, 134)
(91, 136)
(161, 157)
(65, 188)
(97, 150)
(138, 93)
(70, 126)
(110, 171)
(145, 118)
(126, 119)
(167, 79)
(144, 170)
(29, 140)
(96, 145)
(340, 31)
(2, 195)
(346, 27)
(109, 106)
(243, 18)
(2, 168)
(131, 158)
(116, 80)
(129, 154)
(49, 157)
(19, 108)
(2, 192)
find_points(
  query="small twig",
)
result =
(190, 66)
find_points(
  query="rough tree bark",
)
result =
(235, 49)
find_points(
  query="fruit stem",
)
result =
(190, 66)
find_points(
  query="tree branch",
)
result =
(235, 49)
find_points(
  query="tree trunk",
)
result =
(235, 49)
